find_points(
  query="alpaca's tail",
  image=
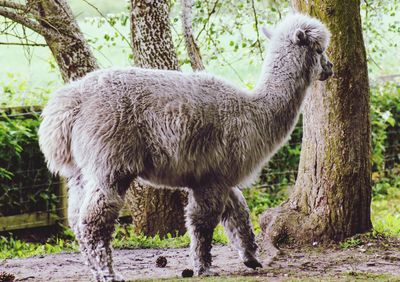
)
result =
(56, 128)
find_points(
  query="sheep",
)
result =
(173, 129)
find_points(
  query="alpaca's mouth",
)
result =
(325, 75)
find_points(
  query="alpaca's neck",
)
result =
(279, 95)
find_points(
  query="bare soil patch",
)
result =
(376, 260)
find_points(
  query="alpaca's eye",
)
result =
(319, 51)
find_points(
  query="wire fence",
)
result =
(32, 197)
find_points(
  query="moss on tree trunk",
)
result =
(332, 195)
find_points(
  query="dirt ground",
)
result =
(372, 261)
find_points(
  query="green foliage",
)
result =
(386, 203)
(25, 183)
(350, 243)
(15, 91)
(124, 237)
(385, 117)
(14, 248)
(381, 32)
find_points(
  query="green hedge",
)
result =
(25, 183)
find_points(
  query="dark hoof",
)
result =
(206, 272)
(252, 264)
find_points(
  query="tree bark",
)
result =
(191, 46)
(70, 49)
(53, 19)
(154, 211)
(151, 35)
(332, 195)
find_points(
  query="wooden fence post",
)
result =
(62, 209)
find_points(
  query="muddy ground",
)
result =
(373, 261)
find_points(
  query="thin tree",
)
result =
(332, 195)
(158, 210)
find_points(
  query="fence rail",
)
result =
(27, 220)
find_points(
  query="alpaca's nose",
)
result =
(329, 71)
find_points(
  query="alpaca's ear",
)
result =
(267, 33)
(300, 37)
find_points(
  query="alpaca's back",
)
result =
(163, 125)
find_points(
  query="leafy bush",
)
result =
(26, 185)
(15, 92)
(385, 116)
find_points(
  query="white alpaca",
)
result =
(180, 130)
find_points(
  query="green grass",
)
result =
(13, 248)
(350, 243)
(124, 237)
(385, 213)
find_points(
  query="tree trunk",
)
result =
(71, 51)
(53, 19)
(154, 211)
(332, 195)
(151, 35)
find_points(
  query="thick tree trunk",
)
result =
(71, 51)
(154, 211)
(332, 195)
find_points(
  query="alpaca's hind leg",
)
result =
(98, 214)
(203, 213)
(236, 221)
(76, 194)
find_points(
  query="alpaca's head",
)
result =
(305, 40)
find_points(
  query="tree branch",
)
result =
(26, 9)
(112, 26)
(191, 46)
(257, 31)
(213, 10)
(13, 5)
(24, 44)
(224, 59)
(23, 20)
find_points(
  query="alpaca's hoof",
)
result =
(253, 263)
(202, 271)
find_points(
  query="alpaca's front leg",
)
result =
(236, 221)
(203, 213)
(98, 214)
